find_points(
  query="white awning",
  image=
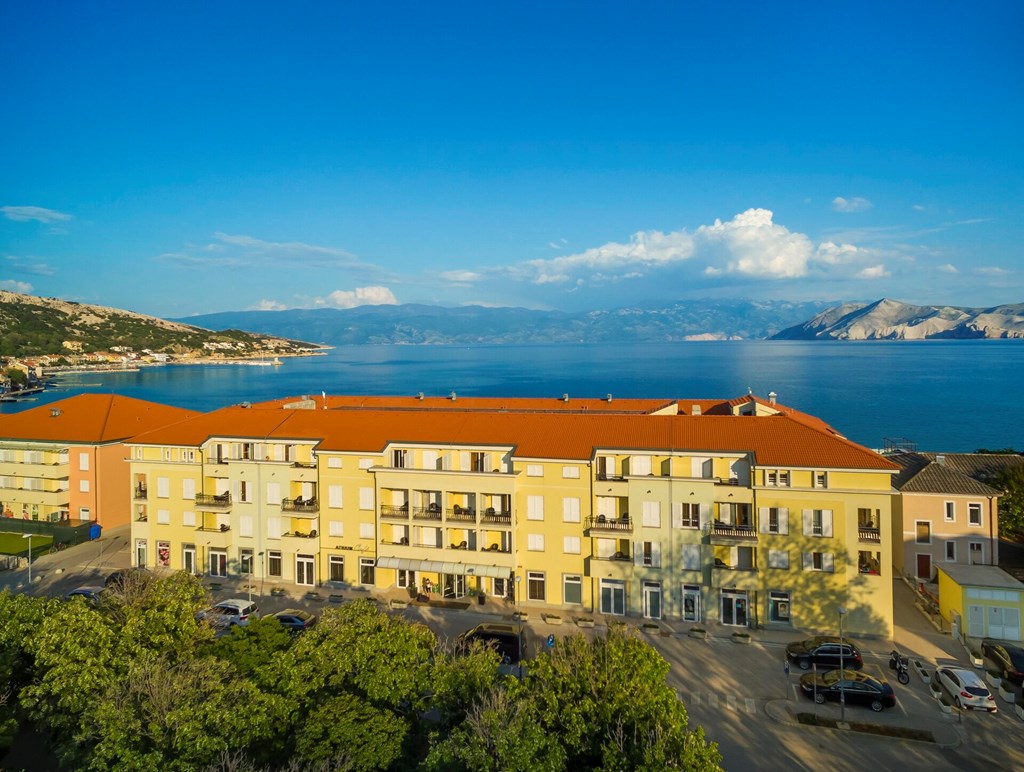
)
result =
(437, 566)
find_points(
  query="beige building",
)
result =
(743, 512)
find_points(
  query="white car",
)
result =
(967, 689)
(230, 612)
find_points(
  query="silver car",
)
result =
(967, 689)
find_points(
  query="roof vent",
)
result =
(452, 396)
(249, 404)
(940, 459)
(772, 396)
(565, 398)
(54, 412)
(608, 398)
(695, 409)
(420, 396)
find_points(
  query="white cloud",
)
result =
(948, 268)
(992, 270)
(16, 286)
(278, 248)
(756, 246)
(20, 265)
(361, 296)
(918, 207)
(873, 272)
(26, 213)
(855, 204)
(830, 253)
(461, 277)
(269, 305)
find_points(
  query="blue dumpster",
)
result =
(94, 531)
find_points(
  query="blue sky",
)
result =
(185, 158)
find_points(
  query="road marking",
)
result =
(796, 692)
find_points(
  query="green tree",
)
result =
(1011, 503)
(252, 649)
(351, 733)
(20, 616)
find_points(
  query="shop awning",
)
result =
(442, 567)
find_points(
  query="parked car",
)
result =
(231, 612)
(859, 688)
(509, 641)
(295, 619)
(89, 593)
(966, 688)
(1008, 656)
(824, 651)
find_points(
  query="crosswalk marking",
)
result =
(711, 700)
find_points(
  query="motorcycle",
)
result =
(901, 665)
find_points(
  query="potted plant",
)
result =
(741, 637)
(936, 690)
(698, 632)
(993, 677)
(1018, 708)
(945, 704)
(584, 622)
(1006, 692)
(976, 659)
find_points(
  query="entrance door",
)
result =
(691, 603)
(188, 559)
(406, 579)
(454, 585)
(613, 597)
(218, 563)
(304, 570)
(924, 567)
(652, 600)
(140, 553)
(734, 608)
(976, 621)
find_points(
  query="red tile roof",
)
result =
(460, 403)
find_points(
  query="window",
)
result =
(951, 551)
(83, 486)
(479, 462)
(365, 463)
(572, 589)
(535, 542)
(188, 489)
(685, 515)
(163, 488)
(774, 519)
(649, 554)
(690, 557)
(244, 491)
(335, 528)
(366, 498)
(652, 514)
(820, 479)
(534, 470)
(245, 525)
(336, 568)
(869, 562)
(188, 518)
(245, 562)
(819, 561)
(83, 462)
(976, 551)
(399, 458)
(334, 497)
(535, 585)
(571, 472)
(274, 563)
(366, 571)
(84, 513)
(778, 606)
(366, 530)
(274, 493)
(784, 479)
(273, 528)
(924, 532)
(334, 462)
(571, 545)
(640, 465)
(950, 511)
(571, 509)
(163, 516)
(817, 522)
(534, 507)
(974, 514)
(778, 559)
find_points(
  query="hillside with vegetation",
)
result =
(36, 326)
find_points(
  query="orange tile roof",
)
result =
(90, 419)
(460, 403)
(777, 440)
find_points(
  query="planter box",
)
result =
(946, 708)
(552, 619)
(1006, 693)
(741, 638)
(993, 679)
(698, 632)
(1019, 710)
(399, 604)
(976, 659)
(277, 592)
(650, 628)
(520, 616)
(584, 622)
(921, 671)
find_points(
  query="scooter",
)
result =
(901, 665)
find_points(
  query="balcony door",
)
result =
(613, 597)
(652, 600)
(305, 573)
(691, 603)
(734, 608)
(218, 563)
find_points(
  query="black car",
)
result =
(824, 651)
(859, 688)
(1008, 656)
(508, 640)
(295, 619)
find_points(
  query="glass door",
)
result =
(218, 563)
(652, 600)
(734, 608)
(691, 603)
(188, 559)
(304, 573)
(613, 597)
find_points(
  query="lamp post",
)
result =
(263, 573)
(29, 537)
(519, 630)
(842, 672)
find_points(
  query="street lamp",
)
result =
(263, 573)
(29, 537)
(519, 631)
(842, 672)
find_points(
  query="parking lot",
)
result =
(739, 693)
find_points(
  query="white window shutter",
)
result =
(808, 522)
(273, 493)
(734, 556)
(656, 554)
(677, 515)
(762, 519)
(488, 462)
(783, 520)
(464, 460)
(273, 528)
(808, 561)
(245, 525)
(828, 562)
(334, 498)
(826, 522)
(638, 553)
(702, 514)
(430, 459)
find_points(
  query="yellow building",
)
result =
(981, 601)
(744, 512)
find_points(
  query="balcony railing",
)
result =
(603, 523)
(610, 477)
(300, 505)
(304, 464)
(211, 501)
(492, 516)
(222, 528)
(301, 535)
(433, 512)
(741, 531)
(620, 556)
(496, 548)
(397, 512)
(462, 515)
(869, 534)
(141, 493)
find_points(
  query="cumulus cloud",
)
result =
(918, 207)
(16, 286)
(855, 204)
(361, 296)
(756, 245)
(991, 270)
(948, 268)
(461, 277)
(269, 305)
(38, 213)
(873, 272)
(21, 265)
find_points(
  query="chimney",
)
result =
(565, 398)
(420, 396)
(608, 398)
(54, 412)
(694, 409)
(772, 396)
(940, 460)
(452, 396)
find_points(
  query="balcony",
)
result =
(495, 547)
(140, 493)
(622, 557)
(432, 512)
(727, 533)
(300, 542)
(213, 503)
(869, 534)
(461, 515)
(394, 512)
(492, 516)
(304, 464)
(299, 506)
(742, 577)
(214, 536)
(609, 524)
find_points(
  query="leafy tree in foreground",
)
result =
(1011, 503)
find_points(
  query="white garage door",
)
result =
(1004, 623)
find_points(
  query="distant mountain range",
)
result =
(892, 320)
(423, 324)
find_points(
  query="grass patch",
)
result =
(902, 732)
(14, 544)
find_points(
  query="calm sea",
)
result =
(942, 395)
